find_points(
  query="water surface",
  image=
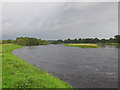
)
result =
(80, 67)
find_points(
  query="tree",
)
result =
(26, 41)
(117, 38)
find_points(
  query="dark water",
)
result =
(80, 67)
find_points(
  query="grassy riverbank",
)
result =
(83, 45)
(19, 74)
(112, 44)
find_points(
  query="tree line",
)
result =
(116, 39)
(26, 41)
(29, 41)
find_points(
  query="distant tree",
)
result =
(75, 40)
(111, 40)
(26, 41)
(117, 38)
(103, 41)
(79, 40)
(8, 41)
(96, 40)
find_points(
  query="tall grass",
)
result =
(19, 74)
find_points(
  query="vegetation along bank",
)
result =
(19, 74)
(111, 41)
(83, 45)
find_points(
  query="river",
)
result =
(80, 67)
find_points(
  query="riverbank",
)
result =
(83, 45)
(113, 44)
(19, 74)
(109, 44)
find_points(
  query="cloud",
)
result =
(60, 20)
(0, 21)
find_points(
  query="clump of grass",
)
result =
(19, 74)
(83, 45)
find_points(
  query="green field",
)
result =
(83, 45)
(16, 73)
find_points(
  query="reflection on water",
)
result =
(81, 67)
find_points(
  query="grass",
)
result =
(110, 44)
(83, 45)
(19, 74)
(113, 44)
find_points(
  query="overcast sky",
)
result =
(60, 20)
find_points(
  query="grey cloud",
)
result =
(60, 20)
(0, 21)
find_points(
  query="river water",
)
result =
(80, 67)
